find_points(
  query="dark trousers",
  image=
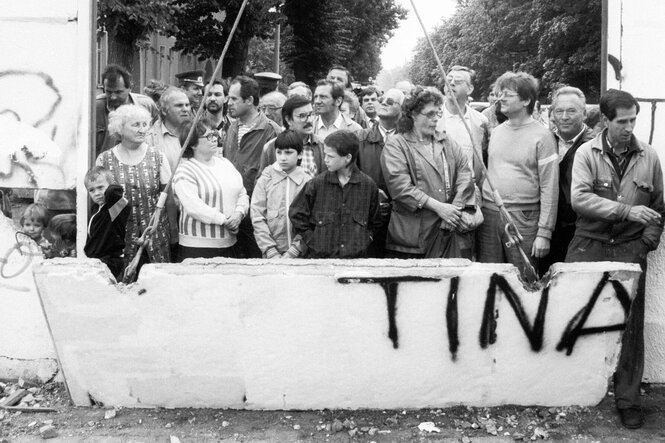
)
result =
(246, 246)
(561, 238)
(628, 375)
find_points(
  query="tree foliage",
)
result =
(127, 22)
(203, 26)
(557, 41)
(346, 32)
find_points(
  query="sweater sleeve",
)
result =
(548, 173)
(186, 190)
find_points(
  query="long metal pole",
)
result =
(511, 230)
(154, 219)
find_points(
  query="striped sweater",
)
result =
(208, 195)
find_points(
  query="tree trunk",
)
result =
(121, 52)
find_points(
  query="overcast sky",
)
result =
(399, 49)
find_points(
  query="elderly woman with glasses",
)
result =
(211, 195)
(429, 179)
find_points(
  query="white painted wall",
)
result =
(45, 106)
(262, 334)
(636, 36)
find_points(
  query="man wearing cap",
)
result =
(267, 82)
(192, 83)
(117, 92)
(243, 146)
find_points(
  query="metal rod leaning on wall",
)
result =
(154, 219)
(514, 236)
(654, 102)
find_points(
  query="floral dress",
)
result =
(141, 183)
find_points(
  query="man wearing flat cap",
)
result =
(192, 83)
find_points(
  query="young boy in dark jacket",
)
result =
(337, 213)
(108, 224)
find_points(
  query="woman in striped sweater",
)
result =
(211, 196)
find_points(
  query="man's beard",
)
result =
(214, 108)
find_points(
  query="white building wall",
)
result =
(636, 37)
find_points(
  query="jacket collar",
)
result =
(297, 176)
(331, 177)
(441, 137)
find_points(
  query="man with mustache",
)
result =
(214, 106)
(117, 92)
(328, 97)
(617, 193)
(297, 115)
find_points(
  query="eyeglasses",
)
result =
(212, 136)
(388, 101)
(303, 115)
(431, 114)
(270, 108)
(506, 93)
(572, 112)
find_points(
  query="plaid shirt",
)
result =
(336, 221)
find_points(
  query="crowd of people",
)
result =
(410, 172)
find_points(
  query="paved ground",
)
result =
(459, 424)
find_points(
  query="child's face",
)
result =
(96, 189)
(334, 162)
(287, 159)
(33, 228)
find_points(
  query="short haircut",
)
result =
(592, 117)
(113, 72)
(35, 212)
(65, 226)
(199, 131)
(420, 98)
(98, 171)
(471, 72)
(290, 105)
(296, 85)
(344, 142)
(166, 96)
(369, 90)
(280, 98)
(119, 117)
(352, 100)
(568, 90)
(349, 78)
(155, 89)
(524, 84)
(336, 88)
(289, 140)
(614, 99)
(248, 88)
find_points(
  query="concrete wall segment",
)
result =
(319, 334)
